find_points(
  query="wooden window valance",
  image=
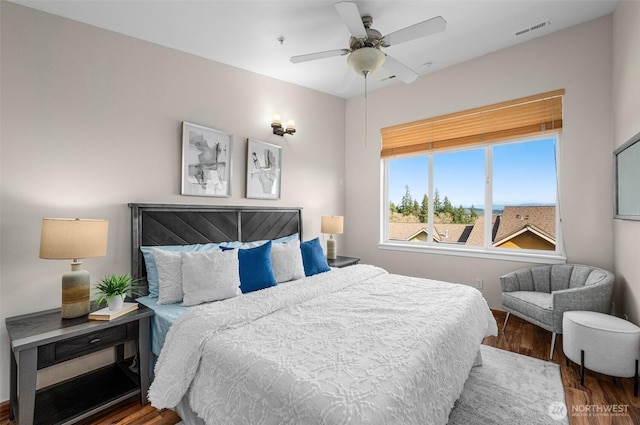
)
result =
(522, 117)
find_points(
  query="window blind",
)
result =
(526, 116)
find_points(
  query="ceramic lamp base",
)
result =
(75, 292)
(331, 249)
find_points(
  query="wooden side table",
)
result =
(341, 261)
(42, 339)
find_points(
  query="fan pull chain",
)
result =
(366, 112)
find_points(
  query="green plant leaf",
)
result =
(114, 285)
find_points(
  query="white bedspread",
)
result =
(352, 346)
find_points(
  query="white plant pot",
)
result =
(116, 303)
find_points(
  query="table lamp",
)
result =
(333, 225)
(74, 239)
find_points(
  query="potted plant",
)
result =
(113, 289)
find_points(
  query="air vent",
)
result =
(533, 28)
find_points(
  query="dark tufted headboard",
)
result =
(178, 224)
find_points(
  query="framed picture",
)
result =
(206, 161)
(264, 162)
(627, 180)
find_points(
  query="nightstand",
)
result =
(341, 261)
(43, 339)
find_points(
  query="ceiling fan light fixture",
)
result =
(365, 60)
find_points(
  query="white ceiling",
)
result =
(244, 33)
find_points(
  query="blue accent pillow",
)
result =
(313, 258)
(152, 268)
(255, 268)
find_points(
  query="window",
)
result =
(496, 199)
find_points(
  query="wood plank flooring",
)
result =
(588, 405)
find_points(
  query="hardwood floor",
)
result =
(588, 405)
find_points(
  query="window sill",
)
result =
(512, 255)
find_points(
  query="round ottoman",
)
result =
(602, 343)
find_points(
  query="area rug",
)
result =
(511, 389)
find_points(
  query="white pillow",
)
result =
(286, 261)
(210, 276)
(169, 265)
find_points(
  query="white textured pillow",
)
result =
(210, 276)
(169, 266)
(286, 261)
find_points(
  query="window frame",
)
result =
(487, 251)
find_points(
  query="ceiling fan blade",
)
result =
(421, 29)
(351, 17)
(347, 81)
(318, 55)
(400, 70)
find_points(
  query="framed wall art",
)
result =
(627, 180)
(264, 162)
(206, 161)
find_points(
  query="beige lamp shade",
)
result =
(332, 224)
(73, 238)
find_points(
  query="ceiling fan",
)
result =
(365, 54)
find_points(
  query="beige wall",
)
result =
(91, 120)
(577, 59)
(3, 357)
(626, 123)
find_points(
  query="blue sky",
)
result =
(523, 173)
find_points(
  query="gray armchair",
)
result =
(541, 294)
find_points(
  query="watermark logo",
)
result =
(557, 411)
(600, 410)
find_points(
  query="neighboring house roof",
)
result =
(514, 221)
(540, 220)
(404, 231)
(476, 237)
(444, 232)
(528, 228)
(453, 232)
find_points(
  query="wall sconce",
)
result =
(276, 124)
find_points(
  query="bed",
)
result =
(355, 345)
